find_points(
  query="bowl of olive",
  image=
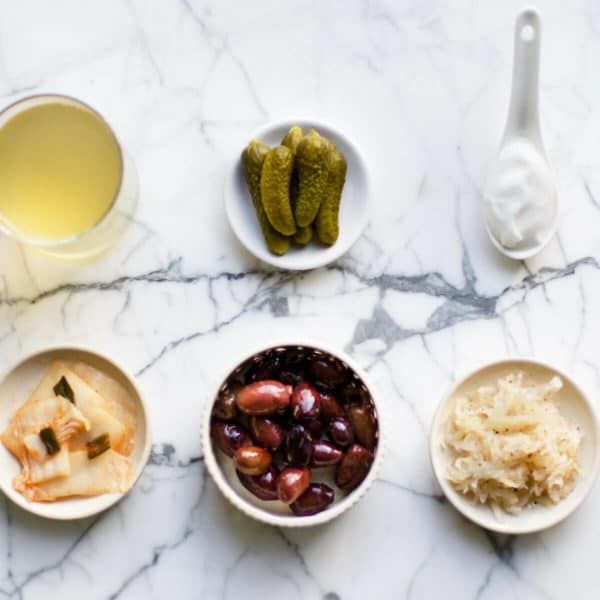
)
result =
(291, 434)
(298, 194)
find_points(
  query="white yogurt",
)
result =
(520, 197)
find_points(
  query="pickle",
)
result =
(327, 223)
(303, 235)
(253, 158)
(311, 164)
(291, 140)
(275, 189)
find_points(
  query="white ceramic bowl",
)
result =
(16, 386)
(573, 405)
(276, 513)
(354, 207)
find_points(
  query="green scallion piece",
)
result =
(98, 445)
(62, 388)
(48, 436)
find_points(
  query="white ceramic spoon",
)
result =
(520, 199)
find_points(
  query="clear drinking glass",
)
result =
(115, 219)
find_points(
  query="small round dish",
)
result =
(17, 385)
(273, 512)
(354, 207)
(573, 405)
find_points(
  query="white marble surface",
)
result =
(423, 87)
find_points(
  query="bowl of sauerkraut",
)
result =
(515, 446)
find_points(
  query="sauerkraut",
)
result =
(510, 446)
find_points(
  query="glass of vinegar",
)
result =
(66, 186)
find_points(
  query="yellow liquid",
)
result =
(60, 170)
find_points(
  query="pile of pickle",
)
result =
(289, 412)
(295, 188)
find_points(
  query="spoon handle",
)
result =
(523, 114)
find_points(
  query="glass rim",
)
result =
(43, 243)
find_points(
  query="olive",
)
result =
(262, 486)
(298, 446)
(292, 483)
(224, 407)
(238, 378)
(268, 368)
(266, 432)
(294, 360)
(354, 394)
(263, 397)
(252, 460)
(291, 378)
(229, 437)
(363, 422)
(330, 407)
(329, 373)
(305, 402)
(324, 454)
(353, 467)
(315, 499)
(340, 432)
(315, 427)
(278, 457)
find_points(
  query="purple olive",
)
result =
(353, 467)
(292, 483)
(279, 456)
(229, 437)
(291, 378)
(315, 499)
(266, 432)
(363, 422)
(340, 432)
(315, 427)
(268, 368)
(298, 446)
(327, 372)
(324, 454)
(238, 378)
(305, 402)
(262, 486)
(293, 370)
(294, 360)
(224, 406)
(330, 407)
(354, 394)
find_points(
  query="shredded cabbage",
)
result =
(510, 445)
